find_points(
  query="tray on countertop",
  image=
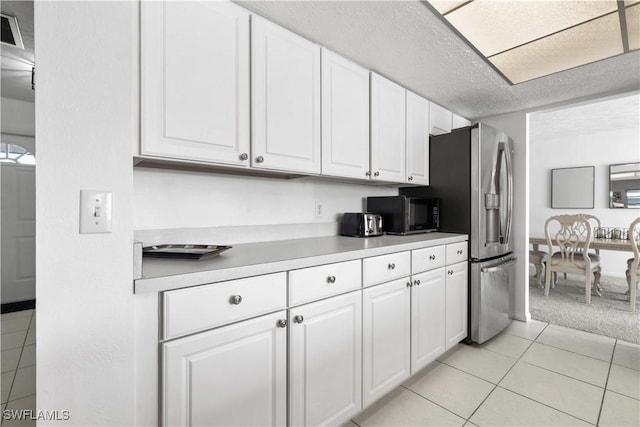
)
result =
(186, 251)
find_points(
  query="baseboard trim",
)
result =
(10, 307)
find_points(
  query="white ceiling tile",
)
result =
(495, 26)
(589, 42)
(633, 26)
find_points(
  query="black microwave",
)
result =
(406, 215)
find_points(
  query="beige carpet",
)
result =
(608, 315)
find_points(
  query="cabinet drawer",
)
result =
(456, 252)
(427, 258)
(310, 284)
(190, 310)
(384, 268)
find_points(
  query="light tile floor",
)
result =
(532, 374)
(18, 360)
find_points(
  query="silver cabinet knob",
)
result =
(259, 159)
(416, 282)
(299, 318)
(459, 251)
(282, 323)
(410, 178)
(331, 279)
(391, 266)
(368, 173)
(376, 173)
(244, 156)
(432, 257)
(409, 284)
(235, 299)
(450, 272)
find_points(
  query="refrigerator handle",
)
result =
(504, 147)
(504, 266)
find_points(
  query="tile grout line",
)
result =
(564, 375)
(516, 360)
(527, 397)
(606, 383)
(496, 384)
(429, 400)
(573, 352)
(15, 372)
(544, 404)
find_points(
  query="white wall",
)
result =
(178, 199)
(18, 117)
(86, 106)
(515, 125)
(580, 148)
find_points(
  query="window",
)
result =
(12, 153)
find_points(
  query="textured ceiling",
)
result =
(586, 119)
(17, 63)
(408, 43)
(403, 40)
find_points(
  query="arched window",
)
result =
(12, 153)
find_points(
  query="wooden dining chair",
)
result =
(633, 264)
(572, 235)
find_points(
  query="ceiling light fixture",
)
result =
(524, 40)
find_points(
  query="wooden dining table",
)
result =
(605, 244)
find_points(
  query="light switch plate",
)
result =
(95, 211)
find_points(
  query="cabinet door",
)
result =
(417, 139)
(285, 76)
(427, 318)
(232, 376)
(456, 303)
(388, 130)
(195, 82)
(439, 119)
(345, 117)
(325, 361)
(386, 338)
(459, 122)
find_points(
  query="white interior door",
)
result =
(18, 210)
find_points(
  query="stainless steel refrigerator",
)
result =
(470, 171)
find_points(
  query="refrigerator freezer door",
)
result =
(491, 192)
(490, 284)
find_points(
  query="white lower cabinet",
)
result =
(347, 347)
(427, 318)
(456, 304)
(231, 376)
(386, 338)
(325, 361)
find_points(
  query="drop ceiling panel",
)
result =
(445, 6)
(586, 43)
(633, 26)
(495, 26)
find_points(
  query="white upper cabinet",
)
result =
(345, 117)
(439, 119)
(417, 139)
(459, 122)
(285, 103)
(195, 82)
(388, 130)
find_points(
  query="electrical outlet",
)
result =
(319, 209)
(95, 211)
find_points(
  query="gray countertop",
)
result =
(251, 259)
